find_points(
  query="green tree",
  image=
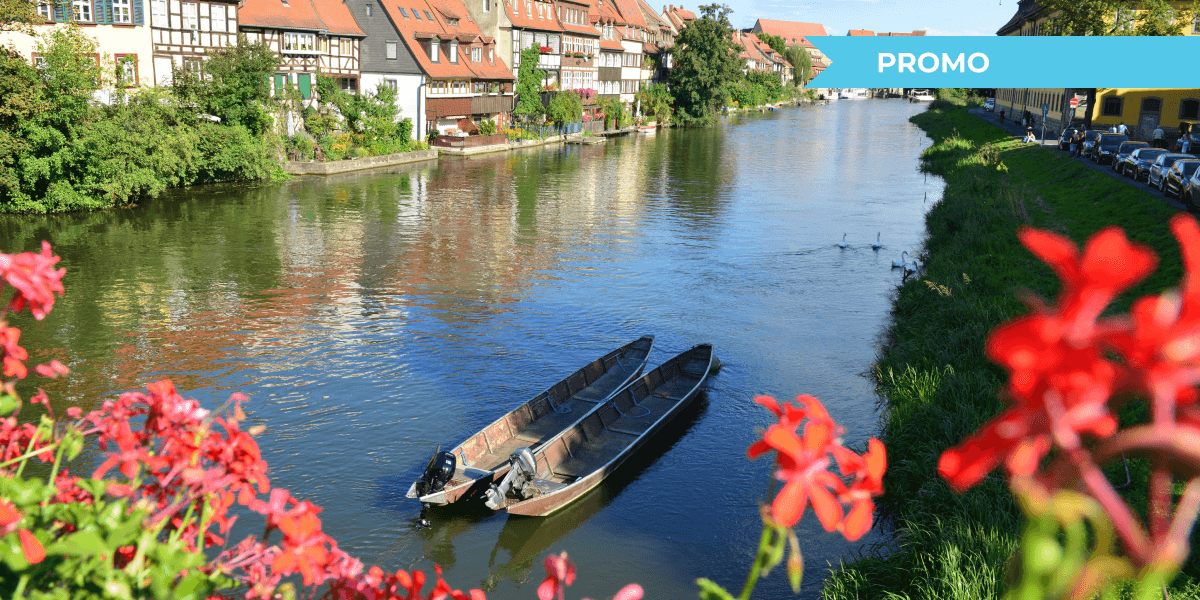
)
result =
(774, 41)
(529, 84)
(1117, 17)
(706, 64)
(565, 107)
(802, 62)
(236, 84)
(18, 15)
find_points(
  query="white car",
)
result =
(990, 105)
(1162, 164)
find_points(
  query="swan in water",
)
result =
(900, 264)
(912, 268)
(877, 244)
(843, 244)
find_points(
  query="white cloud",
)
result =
(831, 31)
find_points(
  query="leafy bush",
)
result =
(487, 127)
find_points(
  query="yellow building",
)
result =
(1141, 109)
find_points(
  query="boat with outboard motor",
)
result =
(469, 468)
(548, 478)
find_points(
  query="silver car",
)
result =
(1158, 170)
(1137, 165)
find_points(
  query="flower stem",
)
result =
(28, 451)
(1160, 500)
(28, 454)
(756, 567)
(1124, 522)
(20, 591)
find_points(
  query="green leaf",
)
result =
(709, 590)
(82, 542)
(774, 550)
(8, 403)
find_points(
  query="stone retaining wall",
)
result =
(357, 164)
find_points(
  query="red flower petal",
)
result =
(789, 504)
(34, 552)
(828, 510)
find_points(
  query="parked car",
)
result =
(1123, 152)
(1179, 173)
(1158, 170)
(1191, 189)
(990, 105)
(1106, 146)
(1137, 164)
(1064, 141)
(1089, 139)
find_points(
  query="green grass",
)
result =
(938, 385)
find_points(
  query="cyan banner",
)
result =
(1009, 61)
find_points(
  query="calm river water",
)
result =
(373, 316)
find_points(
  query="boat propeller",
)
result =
(521, 474)
(437, 474)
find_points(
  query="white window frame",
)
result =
(454, 52)
(81, 10)
(191, 16)
(46, 10)
(294, 42)
(476, 54)
(217, 19)
(130, 68)
(391, 50)
(435, 46)
(158, 14)
(487, 5)
(391, 83)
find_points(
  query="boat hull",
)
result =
(483, 457)
(594, 428)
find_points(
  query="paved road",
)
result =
(1051, 146)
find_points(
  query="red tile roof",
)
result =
(297, 14)
(916, 32)
(521, 19)
(414, 29)
(632, 15)
(792, 32)
(611, 45)
(860, 32)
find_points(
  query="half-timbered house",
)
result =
(183, 32)
(466, 80)
(310, 36)
(535, 26)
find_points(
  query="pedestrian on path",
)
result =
(1159, 142)
(1029, 135)
(1079, 137)
(1112, 129)
(1122, 129)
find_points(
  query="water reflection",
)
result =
(372, 316)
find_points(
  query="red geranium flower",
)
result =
(1060, 381)
(560, 573)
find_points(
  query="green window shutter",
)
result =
(305, 86)
(138, 19)
(103, 10)
(60, 12)
(278, 83)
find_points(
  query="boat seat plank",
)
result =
(627, 432)
(593, 455)
(605, 384)
(553, 422)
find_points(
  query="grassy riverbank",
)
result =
(939, 386)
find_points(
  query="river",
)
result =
(372, 316)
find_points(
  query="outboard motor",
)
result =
(437, 474)
(519, 477)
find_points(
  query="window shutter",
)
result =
(138, 9)
(60, 15)
(103, 10)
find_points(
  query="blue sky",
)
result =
(939, 17)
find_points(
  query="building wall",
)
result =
(174, 43)
(373, 49)
(493, 23)
(111, 40)
(1144, 109)
(409, 95)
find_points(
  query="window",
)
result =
(391, 83)
(191, 17)
(1196, 24)
(416, 14)
(428, 17)
(121, 12)
(528, 9)
(476, 54)
(491, 55)
(487, 5)
(217, 19)
(1189, 109)
(158, 13)
(1151, 105)
(434, 46)
(541, 11)
(391, 50)
(1111, 107)
(192, 66)
(348, 84)
(81, 10)
(127, 69)
(39, 61)
(347, 46)
(369, 10)
(454, 52)
(299, 42)
(46, 11)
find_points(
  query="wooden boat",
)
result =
(580, 458)
(471, 466)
